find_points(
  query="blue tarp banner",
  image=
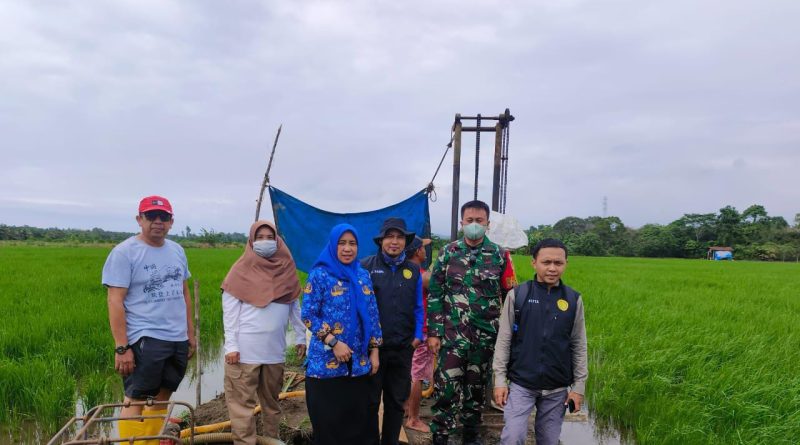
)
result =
(305, 228)
(723, 255)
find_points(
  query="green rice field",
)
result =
(681, 351)
(692, 351)
(55, 342)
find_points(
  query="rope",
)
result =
(477, 153)
(430, 189)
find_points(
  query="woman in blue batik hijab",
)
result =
(340, 310)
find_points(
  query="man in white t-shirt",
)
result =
(150, 313)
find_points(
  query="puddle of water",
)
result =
(584, 432)
(588, 432)
(212, 379)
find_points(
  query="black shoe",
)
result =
(439, 439)
(470, 436)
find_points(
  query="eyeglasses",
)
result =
(160, 214)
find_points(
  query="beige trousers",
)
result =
(246, 386)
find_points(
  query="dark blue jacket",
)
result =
(398, 291)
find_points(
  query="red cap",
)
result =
(155, 203)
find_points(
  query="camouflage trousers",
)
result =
(460, 381)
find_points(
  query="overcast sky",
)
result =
(665, 107)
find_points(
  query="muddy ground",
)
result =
(295, 427)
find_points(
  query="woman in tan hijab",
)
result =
(259, 298)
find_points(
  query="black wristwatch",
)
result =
(333, 342)
(122, 349)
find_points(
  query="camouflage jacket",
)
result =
(467, 289)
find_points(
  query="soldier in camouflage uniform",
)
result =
(468, 283)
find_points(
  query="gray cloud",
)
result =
(664, 107)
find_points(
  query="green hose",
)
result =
(227, 438)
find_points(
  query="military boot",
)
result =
(439, 439)
(471, 436)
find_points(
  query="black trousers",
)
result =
(337, 408)
(393, 379)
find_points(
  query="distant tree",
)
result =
(571, 225)
(438, 242)
(697, 226)
(761, 252)
(536, 234)
(625, 246)
(210, 237)
(612, 233)
(588, 244)
(693, 249)
(759, 227)
(654, 240)
(754, 214)
(777, 223)
(728, 222)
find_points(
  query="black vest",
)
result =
(396, 294)
(541, 354)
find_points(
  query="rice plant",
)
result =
(681, 351)
(692, 351)
(55, 342)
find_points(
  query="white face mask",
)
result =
(265, 248)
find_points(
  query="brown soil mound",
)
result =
(295, 427)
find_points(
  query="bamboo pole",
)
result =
(265, 182)
(498, 156)
(454, 217)
(197, 363)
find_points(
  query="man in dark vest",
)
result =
(397, 283)
(540, 350)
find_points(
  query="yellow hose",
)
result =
(228, 438)
(428, 392)
(286, 395)
(219, 426)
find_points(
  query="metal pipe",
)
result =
(491, 118)
(93, 420)
(456, 177)
(473, 129)
(498, 148)
(477, 156)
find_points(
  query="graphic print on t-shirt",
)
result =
(155, 287)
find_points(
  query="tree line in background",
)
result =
(753, 234)
(96, 235)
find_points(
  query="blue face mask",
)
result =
(474, 231)
(265, 248)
